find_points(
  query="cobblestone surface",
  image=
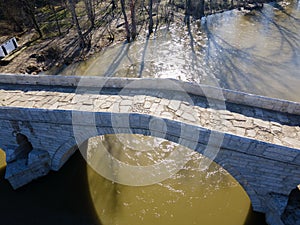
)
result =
(280, 131)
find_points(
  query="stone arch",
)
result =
(19, 149)
(140, 124)
(253, 196)
(63, 153)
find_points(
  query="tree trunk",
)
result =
(75, 20)
(150, 29)
(187, 11)
(90, 11)
(133, 20)
(157, 16)
(201, 8)
(36, 25)
(126, 20)
(55, 16)
(114, 5)
(29, 9)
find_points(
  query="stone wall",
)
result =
(23, 171)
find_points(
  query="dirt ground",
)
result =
(36, 55)
(33, 57)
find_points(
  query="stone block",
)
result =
(297, 109)
(19, 173)
(275, 204)
(297, 159)
(257, 147)
(235, 143)
(187, 143)
(78, 117)
(215, 139)
(120, 120)
(134, 120)
(291, 107)
(36, 156)
(173, 128)
(62, 158)
(277, 105)
(280, 153)
(103, 119)
(10, 155)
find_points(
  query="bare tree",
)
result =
(133, 19)
(114, 5)
(75, 20)
(90, 11)
(201, 8)
(188, 7)
(150, 10)
(29, 8)
(52, 8)
(128, 34)
(195, 9)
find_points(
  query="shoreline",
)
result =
(38, 55)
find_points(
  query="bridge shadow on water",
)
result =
(62, 198)
(59, 198)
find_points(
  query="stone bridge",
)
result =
(256, 139)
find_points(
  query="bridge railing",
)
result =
(232, 96)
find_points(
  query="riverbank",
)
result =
(37, 55)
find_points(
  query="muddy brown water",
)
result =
(77, 194)
(257, 52)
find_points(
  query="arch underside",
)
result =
(201, 143)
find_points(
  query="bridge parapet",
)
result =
(237, 97)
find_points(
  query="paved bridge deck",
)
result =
(252, 122)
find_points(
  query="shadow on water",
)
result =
(243, 68)
(190, 197)
(255, 218)
(59, 198)
(256, 52)
(65, 197)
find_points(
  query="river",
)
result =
(258, 52)
(79, 195)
